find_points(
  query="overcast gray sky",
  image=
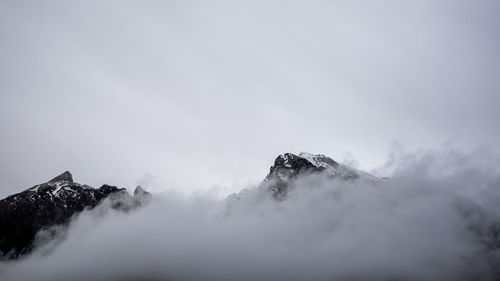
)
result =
(189, 95)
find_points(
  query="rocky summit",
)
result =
(288, 167)
(53, 203)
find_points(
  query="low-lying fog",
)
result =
(416, 225)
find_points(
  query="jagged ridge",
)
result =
(288, 167)
(52, 203)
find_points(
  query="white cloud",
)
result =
(414, 226)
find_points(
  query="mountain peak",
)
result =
(288, 167)
(66, 176)
(139, 190)
(54, 203)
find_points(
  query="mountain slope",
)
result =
(52, 203)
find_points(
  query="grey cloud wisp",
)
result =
(421, 224)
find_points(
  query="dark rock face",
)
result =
(52, 203)
(288, 167)
(66, 176)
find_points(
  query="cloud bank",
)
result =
(431, 220)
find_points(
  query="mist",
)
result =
(421, 223)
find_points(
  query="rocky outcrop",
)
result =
(141, 196)
(42, 206)
(288, 167)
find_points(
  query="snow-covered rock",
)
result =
(288, 167)
(52, 203)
